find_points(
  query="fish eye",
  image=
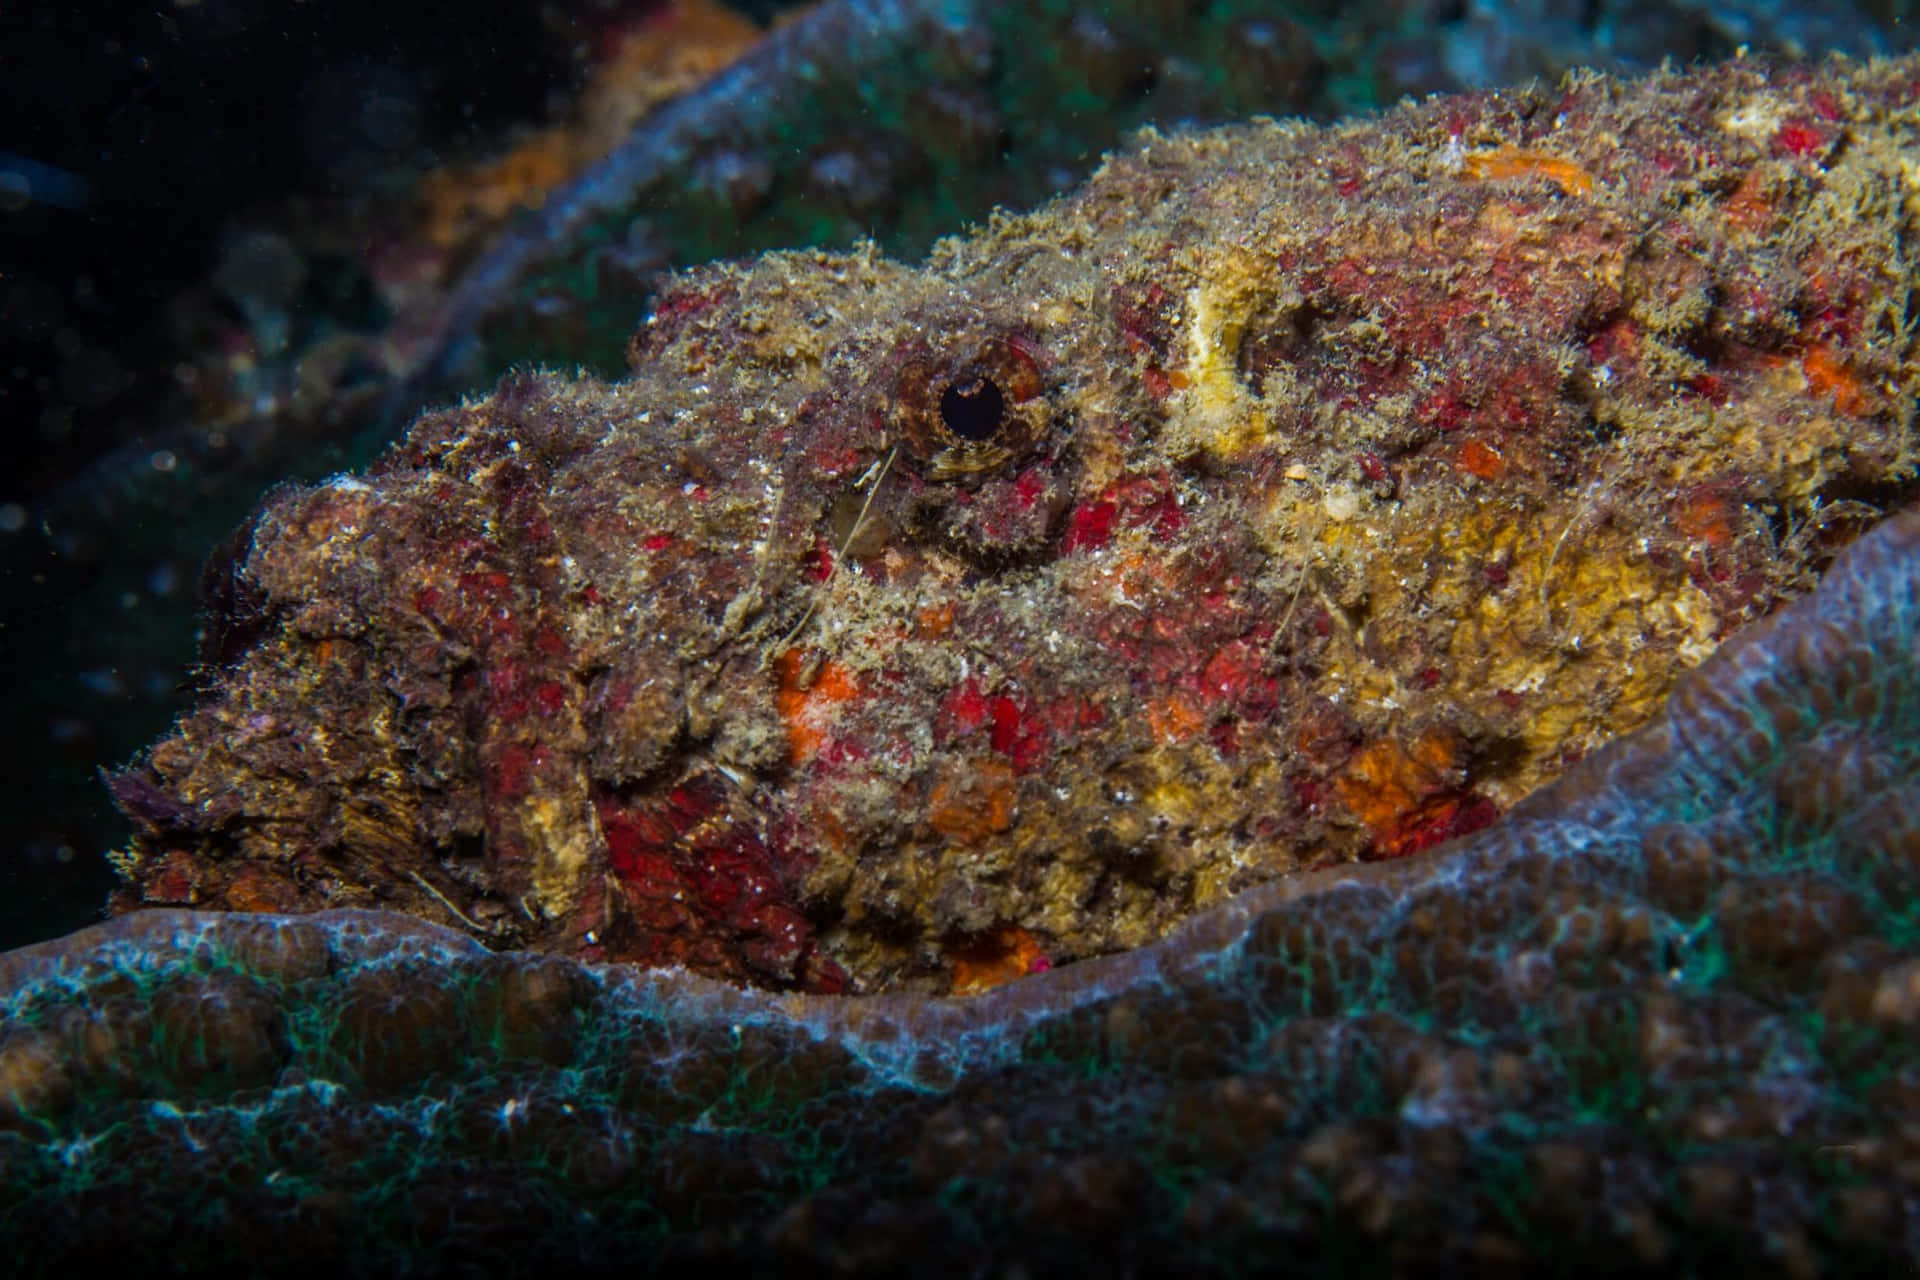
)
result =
(968, 405)
(973, 408)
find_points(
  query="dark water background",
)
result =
(134, 140)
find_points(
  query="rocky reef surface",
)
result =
(1663, 1016)
(1285, 496)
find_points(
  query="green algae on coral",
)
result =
(1662, 1016)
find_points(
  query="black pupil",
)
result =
(972, 408)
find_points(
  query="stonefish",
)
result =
(1283, 496)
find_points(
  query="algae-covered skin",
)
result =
(1285, 495)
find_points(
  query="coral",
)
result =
(1285, 496)
(898, 120)
(664, 52)
(1662, 1016)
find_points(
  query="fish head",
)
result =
(899, 639)
(948, 619)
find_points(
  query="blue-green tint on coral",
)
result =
(895, 120)
(900, 121)
(1663, 1016)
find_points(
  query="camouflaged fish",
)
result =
(1283, 496)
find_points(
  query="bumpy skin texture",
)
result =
(1664, 1017)
(1284, 496)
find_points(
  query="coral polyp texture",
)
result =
(1285, 496)
(1663, 1017)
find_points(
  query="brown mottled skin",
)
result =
(1285, 495)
